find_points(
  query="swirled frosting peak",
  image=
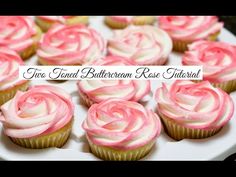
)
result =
(145, 45)
(194, 105)
(70, 45)
(9, 68)
(41, 110)
(100, 90)
(16, 32)
(121, 124)
(190, 28)
(217, 58)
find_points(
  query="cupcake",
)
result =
(45, 22)
(9, 68)
(124, 21)
(121, 130)
(145, 45)
(70, 45)
(20, 34)
(193, 110)
(39, 118)
(185, 30)
(218, 60)
(96, 91)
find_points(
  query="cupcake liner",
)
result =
(31, 50)
(182, 46)
(77, 20)
(110, 154)
(143, 20)
(179, 132)
(43, 24)
(41, 61)
(228, 86)
(6, 95)
(55, 139)
(86, 99)
(114, 24)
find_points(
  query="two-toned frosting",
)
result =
(194, 105)
(101, 90)
(9, 68)
(145, 45)
(190, 28)
(70, 45)
(217, 58)
(55, 19)
(16, 32)
(120, 124)
(41, 110)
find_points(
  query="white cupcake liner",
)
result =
(110, 154)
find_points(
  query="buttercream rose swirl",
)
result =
(217, 58)
(100, 90)
(145, 45)
(9, 64)
(121, 124)
(16, 32)
(194, 105)
(42, 109)
(68, 45)
(190, 27)
(61, 19)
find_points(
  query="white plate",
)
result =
(214, 148)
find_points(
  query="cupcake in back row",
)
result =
(9, 68)
(144, 45)
(96, 91)
(218, 60)
(124, 21)
(121, 130)
(193, 110)
(70, 45)
(185, 30)
(45, 22)
(19, 33)
(39, 118)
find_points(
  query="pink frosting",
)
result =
(71, 45)
(16, 32)
(145, 45)
(121, 124)
(60, 19)
(9, 68)
(217, 58)
(100, 90)
(195, 105)
(43, 109)
(190, 27)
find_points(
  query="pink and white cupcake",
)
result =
(70, 45)
(45, 22)
(9, 68)
(144, 45)
(39, 118)
(193, 110)
(121, 130)
(218, 60)
(185, 30)
(124, 21)
(96, 91)
(19, 33)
